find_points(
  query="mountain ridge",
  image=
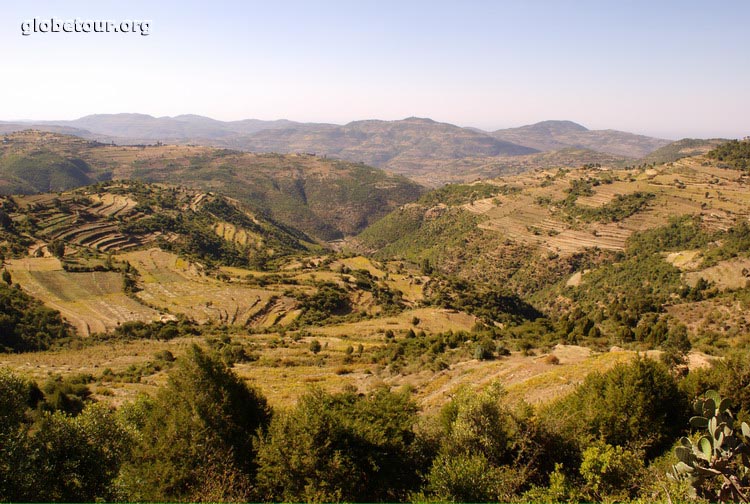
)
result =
(418, 147)
(556, 135)
(325, 198)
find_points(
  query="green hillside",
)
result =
(601, 249)
(680, 149)
(325, 198)
(40, 171)
(735, 154)
(116, 216)
(166, 343)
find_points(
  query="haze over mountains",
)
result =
(556, 135)
(417, 147)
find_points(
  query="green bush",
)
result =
(330, 300)
(734, 153)
(471, 478)
(76, 459)
(334, 447)
(636, 405)
(481, 440)
(611, 472)
(57, 457)
(69, 395)
(196, 437)
(315, 346)
(484, 349)
(26, 324)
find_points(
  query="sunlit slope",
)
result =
(566, 211)
(325, 198)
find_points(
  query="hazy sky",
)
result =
(670, 69)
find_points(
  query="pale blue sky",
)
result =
(669, 68)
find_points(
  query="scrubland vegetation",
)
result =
(207, 435)
(734, 153)
(164, 343)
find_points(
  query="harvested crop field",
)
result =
(92, 302)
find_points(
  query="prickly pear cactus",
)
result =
(718, 463)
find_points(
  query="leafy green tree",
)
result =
(730, 376)
(678, 339)
(59, 457)
(487, 452)
(559, 489)
(57, 248)
(5, 220)
(636, 405)
(676, 349)
(426, 267)
(333, 447)
(200, 429)
(471, 478)
(13, 403)
(69, 395)
(76, 459)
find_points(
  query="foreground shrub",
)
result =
(58, 457)
(636, 405)
(487, 450)
(611, 472)
(196, 437)
(333, 447)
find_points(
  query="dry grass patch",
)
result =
(730, 274)
(91, 302)
(684, 259)
(179, 286)
(432, 320)
(94, 359)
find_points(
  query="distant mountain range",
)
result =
(408, 146)
(556, 135)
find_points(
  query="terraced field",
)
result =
(92, 302)
(108, 204)
(731, 274)
(178, 286)
(85, 219)
(232, 233)
(688, 186)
